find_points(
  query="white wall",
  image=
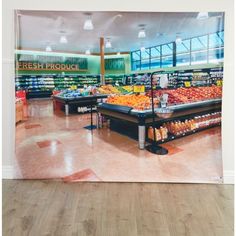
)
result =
(108, 5)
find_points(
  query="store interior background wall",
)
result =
(8, 84)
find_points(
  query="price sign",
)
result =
(139, 88)
(73, 87)
(187, 84)
(219, 82)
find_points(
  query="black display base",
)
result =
(156, 149)
(90, 127)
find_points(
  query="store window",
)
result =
(183, 53)
(136, 60)
(216, 47)
(216, 55)
(216, 40)
(155, 57)
(167, 55)
(199, 47)
(197, 50)
(145, 59)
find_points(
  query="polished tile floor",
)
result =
(51, 145)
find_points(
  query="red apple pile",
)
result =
(187, 95)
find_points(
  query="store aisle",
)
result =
(50, 145)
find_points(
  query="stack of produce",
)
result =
(192, 94)
(122, 90)
(108, 89)
(128, 88)
(200, 93)
(75, 93)
(70, 93)
(138, 102)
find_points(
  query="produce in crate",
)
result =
(138, 102)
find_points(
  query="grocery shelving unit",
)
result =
(39, 86)
(112, 78)
(182, 78)
(172, 137)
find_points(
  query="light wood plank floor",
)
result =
(122, 209)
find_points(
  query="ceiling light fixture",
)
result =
(88, 24)
(178, 39)
(63, 39)
(202, 16)
(48, 49)
(108, 43)
(118, 53)
(142, 33)
(87, 52)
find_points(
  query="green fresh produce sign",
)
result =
(46, 62)
(114, 64)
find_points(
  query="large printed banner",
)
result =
(158, 115)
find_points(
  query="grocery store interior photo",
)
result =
(119, 96)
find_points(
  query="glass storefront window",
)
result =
(136, 65)
(199, 43)
(156, 52)
(167, 49)
(167, 55)
(145, 64)
(183, 59)
(216, 55)
(199, 57)
(145, 54)
(155, 63)
(135, 55)
(197, 50)
(167, 61)
(216, 40)
(183, 47)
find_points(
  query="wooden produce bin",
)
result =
(19, 111)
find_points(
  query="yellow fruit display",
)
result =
(128, 88)
(108, 89)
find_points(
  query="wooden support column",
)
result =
(102, 61)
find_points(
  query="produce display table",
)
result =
(81, 101)
(142, 119)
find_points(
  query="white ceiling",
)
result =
(40, 28)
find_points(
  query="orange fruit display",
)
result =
(136, 101)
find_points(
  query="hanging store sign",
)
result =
(139, 89)
(30, 62)
(115, 64)
(219, 82)
(187, 84)
(47, 66)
